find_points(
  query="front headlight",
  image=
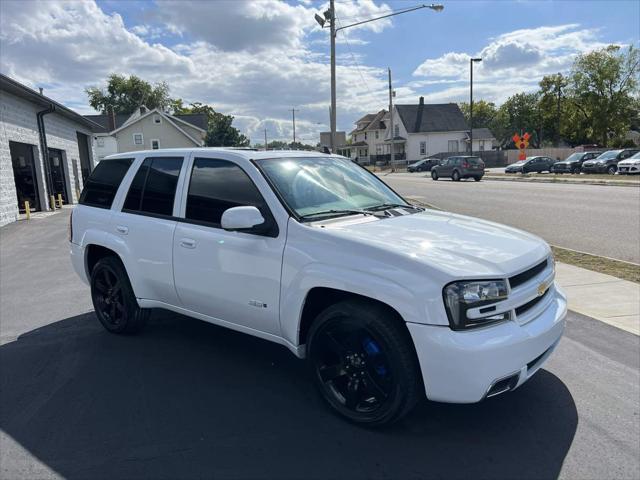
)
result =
(459, 297)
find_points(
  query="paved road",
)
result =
(591, 218)
(186, 399)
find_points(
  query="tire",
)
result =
(477, 179)
(612, 170)
(364, 364)
(113, 298)
(575, 171)
(434, 175)
(455, 176)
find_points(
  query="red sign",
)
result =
(522, 142)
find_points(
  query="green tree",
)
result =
(604, 90)
(125, 94)
(483, 113)
(519, 114)
(555, 108)
(220, 131)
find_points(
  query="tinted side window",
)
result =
(217, 185)
(103, 183)
(154, 187)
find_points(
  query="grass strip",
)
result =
(609, 266)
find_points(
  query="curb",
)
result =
(610, 183)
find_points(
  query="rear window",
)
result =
(153, 188)
(475, 161)
(104, 181)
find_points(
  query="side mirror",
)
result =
(241, 218)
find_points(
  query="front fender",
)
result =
(314, 275)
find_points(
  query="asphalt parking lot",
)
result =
(186, 399)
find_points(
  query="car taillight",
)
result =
(465, 165)
(71, 227)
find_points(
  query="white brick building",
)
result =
(31, 124)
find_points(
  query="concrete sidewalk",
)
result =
(603, 297)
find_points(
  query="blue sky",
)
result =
(257, 60)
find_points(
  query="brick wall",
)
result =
(18, 123)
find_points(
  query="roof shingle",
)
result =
(443, 117)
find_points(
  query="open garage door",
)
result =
(58, 176)
(24, 174)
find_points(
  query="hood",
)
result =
(566, 162)
(630, 161)
(460, 246)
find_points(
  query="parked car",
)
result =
(387, 301)
(573, 163)
(531, 164)
(424, 165)
(629, 166)
(459, 167)
(607, 162)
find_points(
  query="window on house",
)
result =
(154, 187)
(155, 144)
(453, 145)
(423, 148)
(138, 139)
(217, 185)
(157, 119)
(100, 141)
(377, 134)
(396, 130)
(365, 135)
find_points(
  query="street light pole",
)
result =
(293, 112)
(330, 16)
(332, 31)
(392, 157)
(471, 62)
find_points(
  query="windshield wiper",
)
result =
(387, 206)
(336, 212)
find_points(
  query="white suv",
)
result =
(387, 300)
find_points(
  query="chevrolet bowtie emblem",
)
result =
(542, 288)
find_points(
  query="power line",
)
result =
(364, 82)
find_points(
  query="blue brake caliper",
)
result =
(373, 350)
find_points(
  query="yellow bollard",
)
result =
(59, 200)
(52, 202)
(27, 208)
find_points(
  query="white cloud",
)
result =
(512, 62)
(67, 46)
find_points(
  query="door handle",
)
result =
(122, 229)
(187, 243)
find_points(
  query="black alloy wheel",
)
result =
(612, 170)
(113, 299)
(364, 363)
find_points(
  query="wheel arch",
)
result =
(320, 298)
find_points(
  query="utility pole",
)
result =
(332, 27)
(265, 140)
(559, 77)
(330, 16)
(293, 112)
(392, 157)
(471, 62)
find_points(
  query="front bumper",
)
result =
(624, 169)
(594, 168)
(562, 168)
(462, 366)
(76, 253)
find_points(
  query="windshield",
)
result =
(609, 155)
(636, 156)
(318, 184)
(574, 157)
